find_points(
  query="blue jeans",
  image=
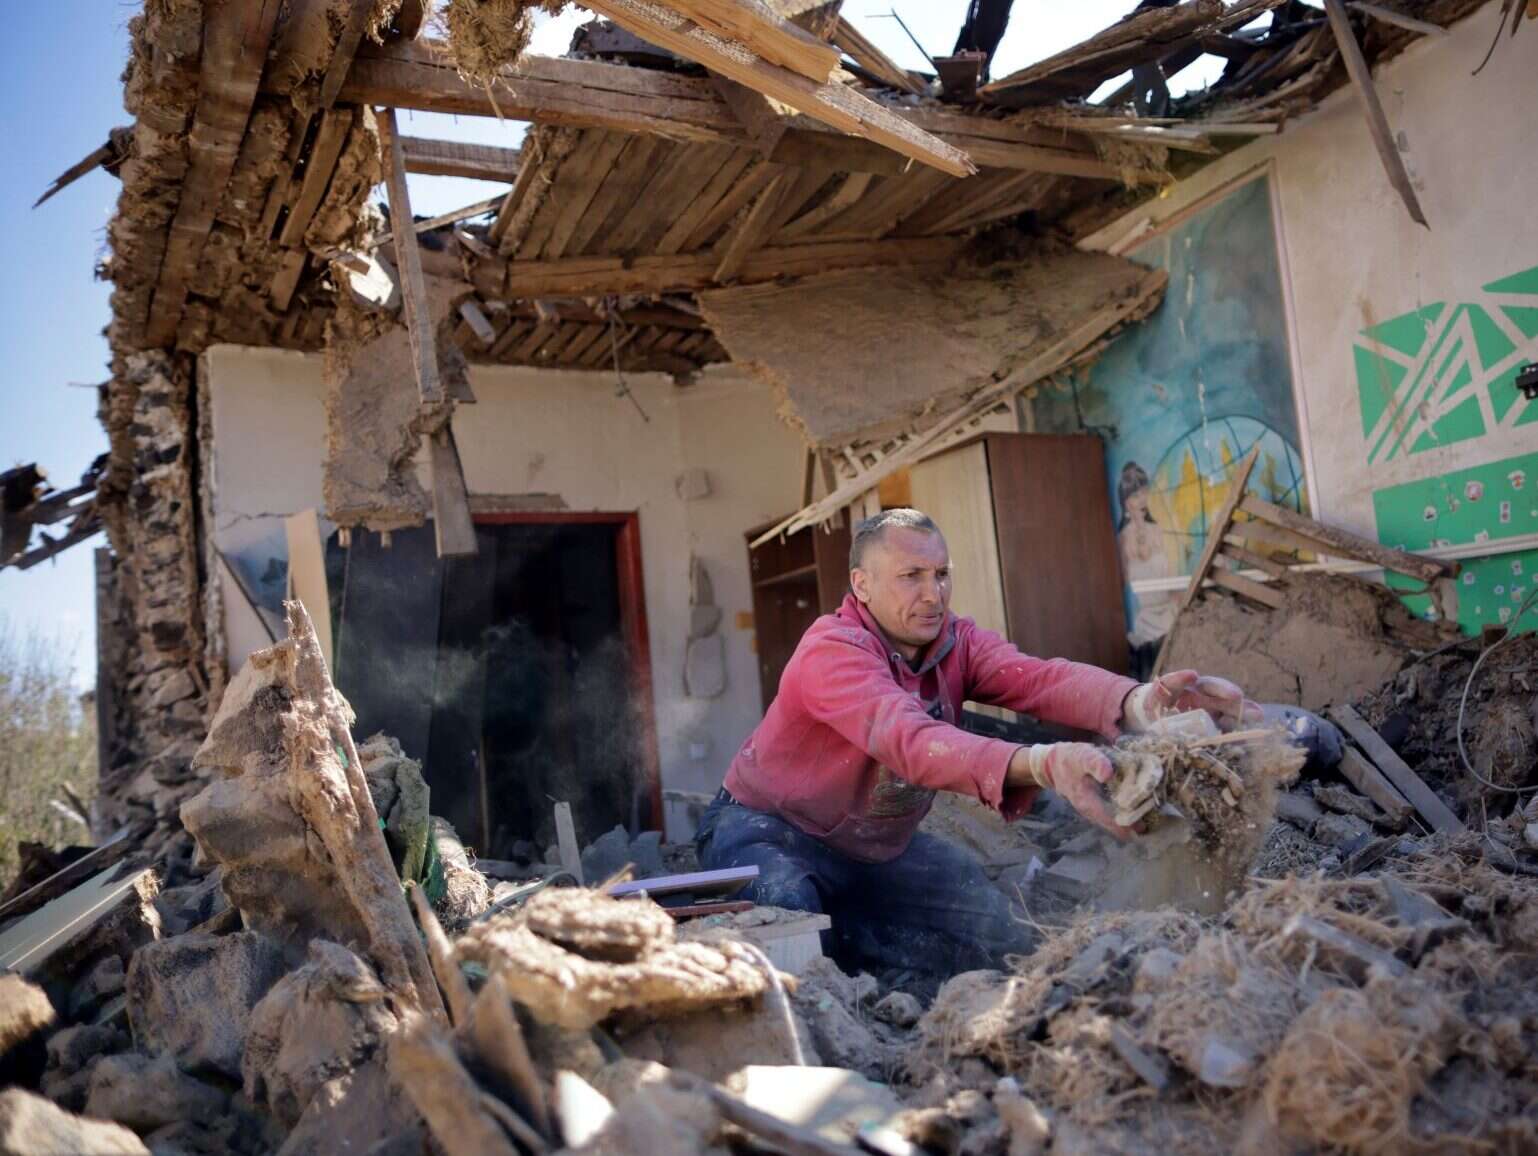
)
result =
(932, 909)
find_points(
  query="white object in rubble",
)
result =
(1191, 724)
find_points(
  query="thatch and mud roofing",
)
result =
(648, 177)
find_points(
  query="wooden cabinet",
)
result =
(1033, 549)
(795, 579)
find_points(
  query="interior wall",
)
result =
(550, 433)
(1406, 339)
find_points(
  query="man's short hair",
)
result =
(873, 528)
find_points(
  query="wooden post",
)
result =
(452, 523)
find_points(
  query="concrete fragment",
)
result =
(144, 1094)
(100, 984)
(192, 996)
(31, 1126)
(605, 855)
(1298, 809)
(314, 1025)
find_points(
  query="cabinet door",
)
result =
(1060, 570)
(952, 488)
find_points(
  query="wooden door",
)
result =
(1058, 563)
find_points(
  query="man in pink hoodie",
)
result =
(825, 797)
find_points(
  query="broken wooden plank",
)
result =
(1398, 19)
(1345, 801)
(346, 47)
(699, 910)
(235, 40)
(453, 525)
(864, 53)
(724, 880)
(833, 104)
(1239, 584)
(99, 857)
(1246, 557)
(1398, 772)
(335, 124)
(751, 231)
(1219, 525)
(1366, 778)
(754, 24)
(477, 320)
(286, 279)
(408, 260)
(1344, 544)
(764, 119)
(428, 224)
(452, 158)
(1377, 122)
(566, 840)
(1146, 35)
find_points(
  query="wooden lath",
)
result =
(235, 39)
(1251, 534)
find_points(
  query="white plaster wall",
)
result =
(1352, 256)
(535, 431)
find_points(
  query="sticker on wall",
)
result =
(1446, 373)
(1488, 584)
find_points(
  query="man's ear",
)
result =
(859, 582)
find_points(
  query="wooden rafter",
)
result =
(834, 104)
(451, 500)
(452, 158)
(346, 48)
(872, 59)
(592, 94)
(235, 39)
(600, 276)
(753, 23)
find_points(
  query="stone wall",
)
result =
(152, 615)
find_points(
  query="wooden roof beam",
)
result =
(451, 158)
(590, 94)
(602, 276)
(235, 40)
(834, 104)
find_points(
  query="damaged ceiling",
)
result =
(254, 149)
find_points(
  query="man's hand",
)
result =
(1183, 690)
(1076, 771)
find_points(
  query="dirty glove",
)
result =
(1183, 690)
(1076, 771)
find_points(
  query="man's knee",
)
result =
(744, 838)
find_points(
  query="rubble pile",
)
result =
(1279, 965)
(1374, 1014)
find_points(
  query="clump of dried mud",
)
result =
(485, 36)
(1366, 1015)
(575, 957)
(1212, 809)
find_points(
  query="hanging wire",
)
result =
(621, 386)
(1511, 627)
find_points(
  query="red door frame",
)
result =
(632, 611)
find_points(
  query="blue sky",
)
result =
(59, 95)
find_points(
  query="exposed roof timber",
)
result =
(775, 39)
(235, 39)
(346, 48)
(872, 59)
(449, 158)
(601, 276)
(834, 104)
(590, 94)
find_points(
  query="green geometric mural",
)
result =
(1446, 373)
(1486, 503)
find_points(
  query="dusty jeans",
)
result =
(931, 909)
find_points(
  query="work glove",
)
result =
(1183, 690)
(1077, 772)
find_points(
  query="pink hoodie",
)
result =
(856, 743)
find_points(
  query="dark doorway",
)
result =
(518, 676)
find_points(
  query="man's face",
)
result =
(905, 582)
